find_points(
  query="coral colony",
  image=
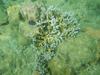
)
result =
(47, 27)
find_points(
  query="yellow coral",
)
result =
(29, 11)
(13, 12)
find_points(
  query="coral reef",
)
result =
(38, 38)
(46, 27)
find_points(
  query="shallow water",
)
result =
(79, 55)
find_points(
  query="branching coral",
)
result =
(46, 27)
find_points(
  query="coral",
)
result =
(35, 37)
(12, 12)
(47, 27)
